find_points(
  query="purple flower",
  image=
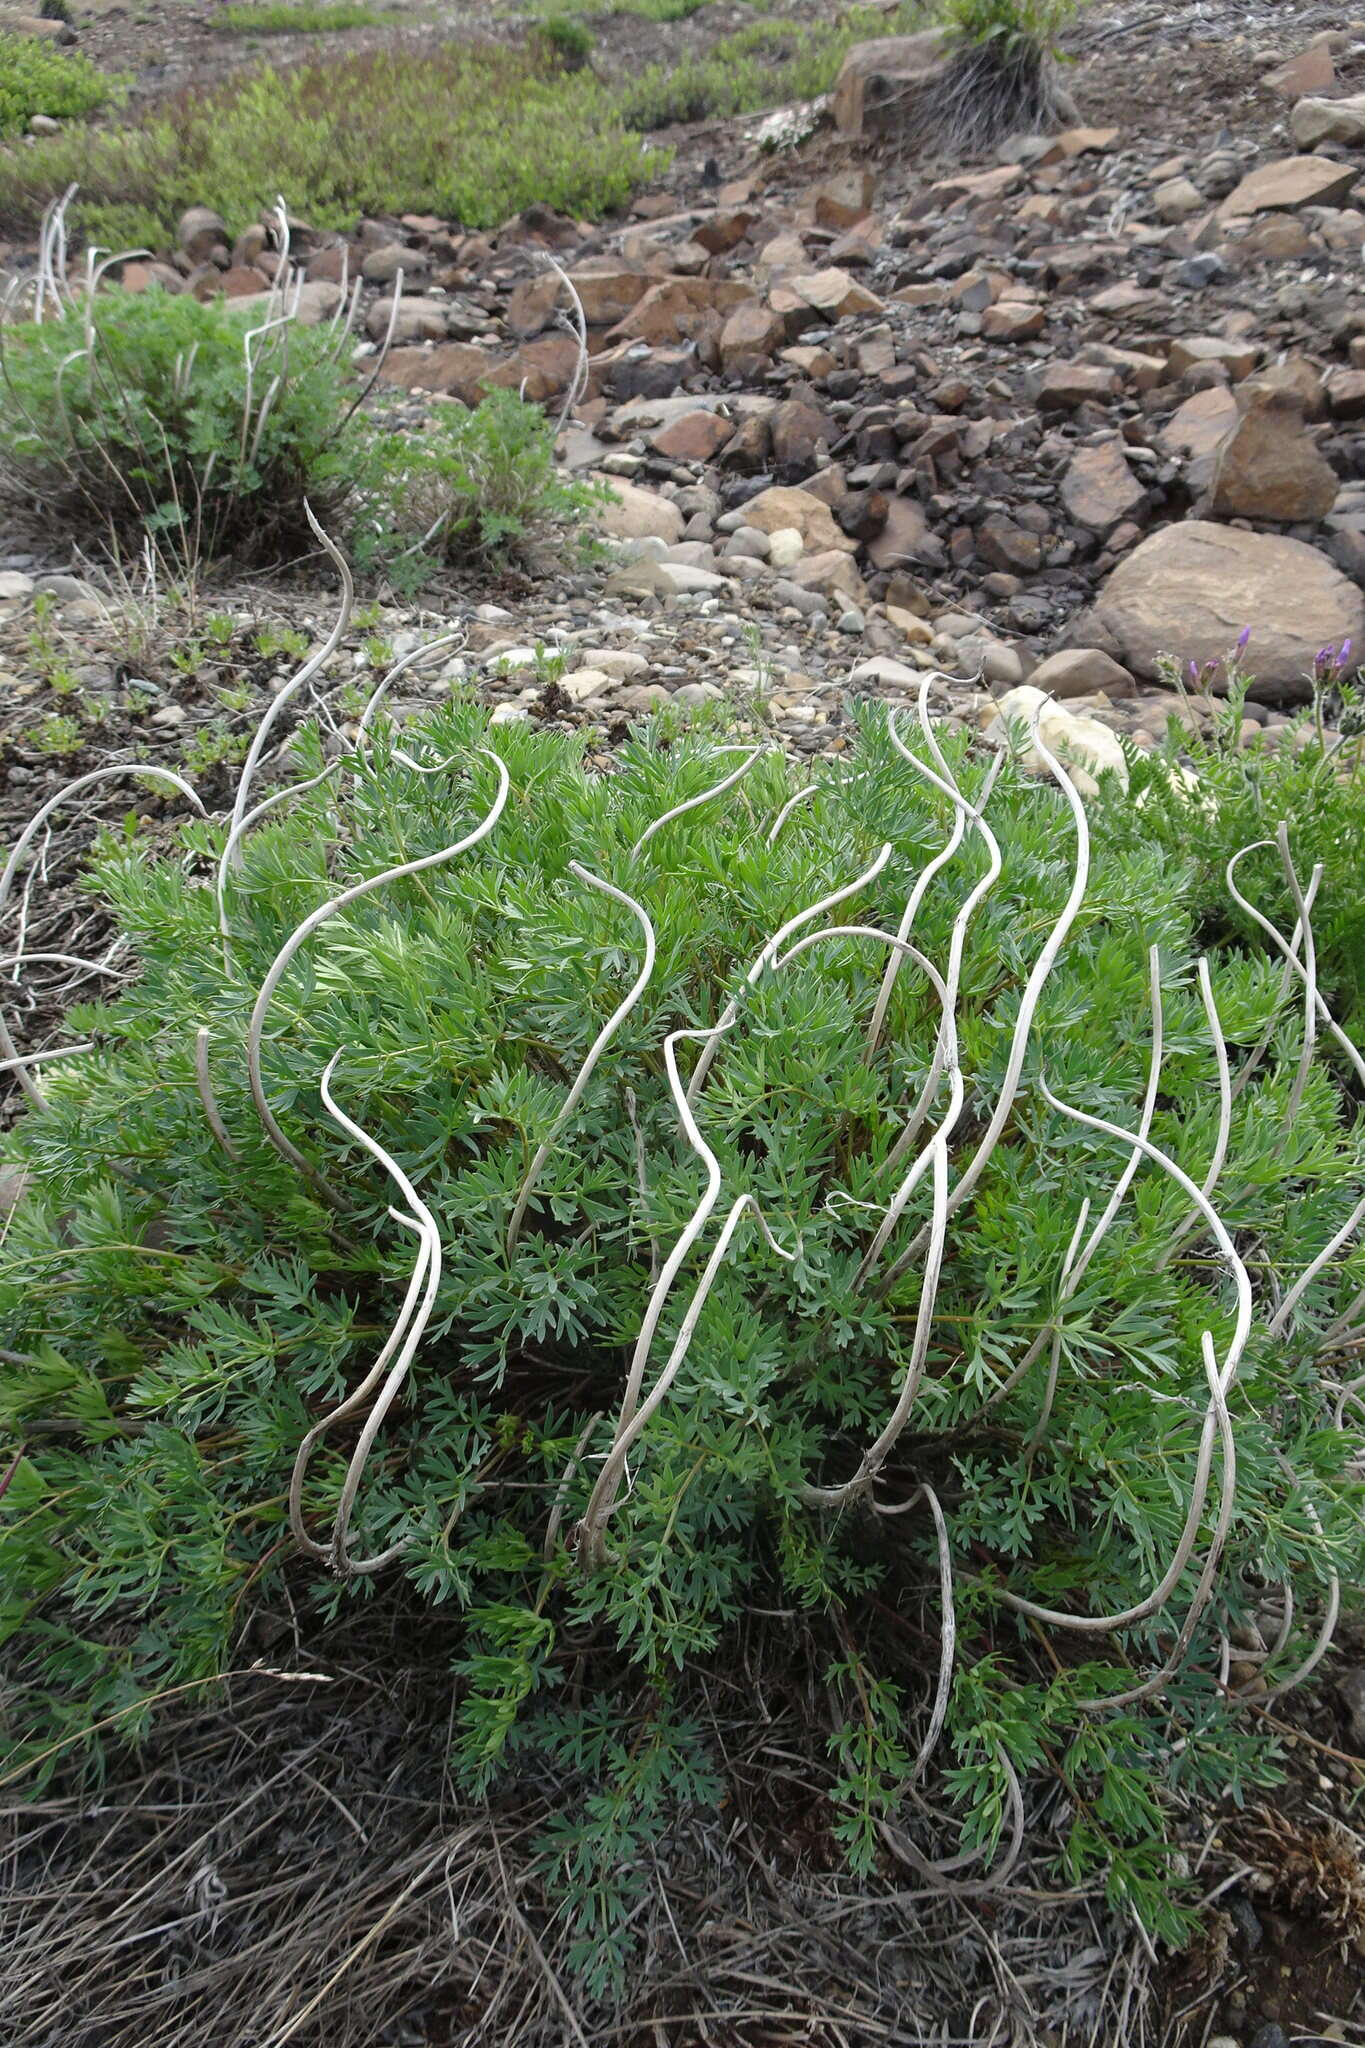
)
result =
(1194, 673)
(1242, 639)
(1345, 654)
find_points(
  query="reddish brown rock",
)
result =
(834, 294)
(786, 506)
(1268, 467)
(1099, 489)
(1346, 395)
(696, 437)
(830, 574)
(752, 334)
(609, 294)
(456, 369)
(680, 309)
(1087, 141)
(1012, 320)
(906, 537)
(882, 85)
(1311, 71)
(1007, 546)
(725, 230)
(531, 306)
(841, 201)
(1064, 386)
(800, 437)
(1238, 358)
(1199, 426)
(1288, 184)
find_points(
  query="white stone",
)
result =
(785, 547)
(13, 583)
(614, 661)
(1085, 747)
(585, 683)
(879, 668)
(508, 714)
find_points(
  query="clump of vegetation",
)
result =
(606, 1207)
(569, 38)
(472, 132)
(1001, 76)
(759, 66)
(35, 78)
(133, 413)
(296, 18)
(480, 483)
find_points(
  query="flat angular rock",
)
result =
(1238, 358)
(841, 201)
(1081, 672)
(884, 85)
(1315, 121)
(752, 332)
(609, 294)
(1199, 426)
(831, 574)
(696, 437)
(1188, 591)
(639, 514)
(906, 537)
(1099, 489)
(787, 506)
(1064, 386)
(1012, 320)
(1292, 182)
(835, 294)
(1268, 467)
(1311, 71)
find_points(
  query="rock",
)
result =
(886, 84)
(1346, 395)
(382, 266)
(906, 537)
(750, 541)
(1012, 320)
(1081, 672)
(800, 437)
(1238, 358)
(830, 574)
(43, 124)
(1315, 121)
(1188, 590)
(1007, 546)
(1311, 71)
(608, 294)
(585, 683)
(1099, 489)
(680, 309)
(834, 294)
(639, 515)
(841, 201)
(14, 584)
(664, 579)
(1292, 182)
(531, 306)
(416, 319)
(785, 547)
(887, 674)
(200, 231)
(696, 437)
(1350, 1686)
(753, 333)
(1177, 199)
(455, 368)
(1199, 427)
(1086, 748)
(1269, 467)
(1064, 386)
(784, 505)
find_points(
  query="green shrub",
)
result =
(150, 418)
(569, 38)
(35, 78)
(1038, 22)
(295, 18)
(178, 1312)
(474, 483)
(470, 132)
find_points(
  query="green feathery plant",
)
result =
(598, 1207)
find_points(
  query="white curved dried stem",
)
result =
(1290, 956)
(1258, 1051)
(938, 1873)
(21, 845)
(1310, 1273)
(385, 345)
(561, 1498)
(1327, 1627)
(769, 953)
(1216, 1423)
(591, 1532)
(303, 932)
(403, 1340)
(1310, 971)
(310, 668)
(793, 803)
(1223, 1135)
(694, 802)
(578, 327)
(947, 1625)
(203, 1081)
(947, 782)
(17, 1062)
(1028, 1002)
(595, 1051)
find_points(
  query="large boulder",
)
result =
(1314, 121)
(883, 85)
(1269, 467)
(1189, 590)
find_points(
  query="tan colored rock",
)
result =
(13, 23)
(883, 85)
(1199, 426)
(841, 201)
(1277, 237)
(610, 293)
(200, 231)
(1238, 358)
(725, 230)
(639, 514)
(1081, 672)
(1064, 386)
(1268, 467)
(752, 333)
(834, 294)
(830, 574)
(696, 437)
(417, 319)
(906, 537)
(1315, 121)
(1177, 199)
(679, 309)
(813, 362)
(1346, 395)
(1188, 590)
(531, 307)
(1012, 320)
(800, 437)
(1099, 489)
(786, 505)
(456, 369)
(1087, 141)
(1292, 182)
(1311, 71)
